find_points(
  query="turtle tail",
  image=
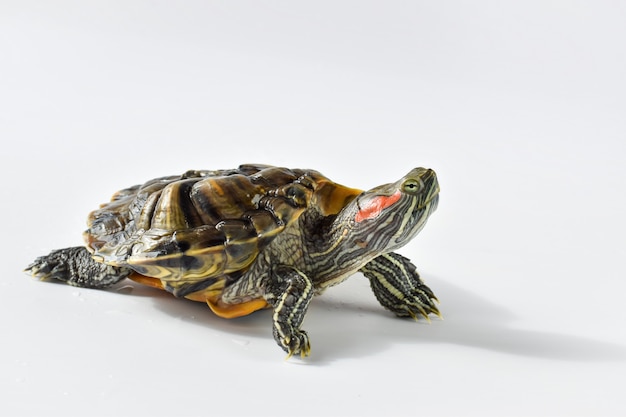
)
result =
(75, 266)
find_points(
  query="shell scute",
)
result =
(221, 198)
(173, 210)
(186, 255)
(263, 222)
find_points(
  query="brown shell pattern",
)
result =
(202, 224)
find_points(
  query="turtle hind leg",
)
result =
(75, 266)
(398, 286)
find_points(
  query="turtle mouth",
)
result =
(433, 202)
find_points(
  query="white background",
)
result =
(519, 106)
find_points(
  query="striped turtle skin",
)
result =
(256, 237)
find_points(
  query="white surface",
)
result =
(519, 107)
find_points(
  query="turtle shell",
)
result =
(191, 232)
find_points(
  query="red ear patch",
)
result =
(375, 206)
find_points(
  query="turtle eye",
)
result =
(411, 186)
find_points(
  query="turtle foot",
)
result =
(398, 287)
(417, 304)
(297, 343)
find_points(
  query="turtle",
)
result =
(256, 237)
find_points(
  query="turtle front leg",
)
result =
(290, 293)
(398, 286)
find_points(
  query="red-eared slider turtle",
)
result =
(256, 237)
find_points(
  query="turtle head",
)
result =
(388, 216)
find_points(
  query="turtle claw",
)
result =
(418, 306)
(41, 269)
(424, 301)
(297, 344)
(416, 317)
(435, 310)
